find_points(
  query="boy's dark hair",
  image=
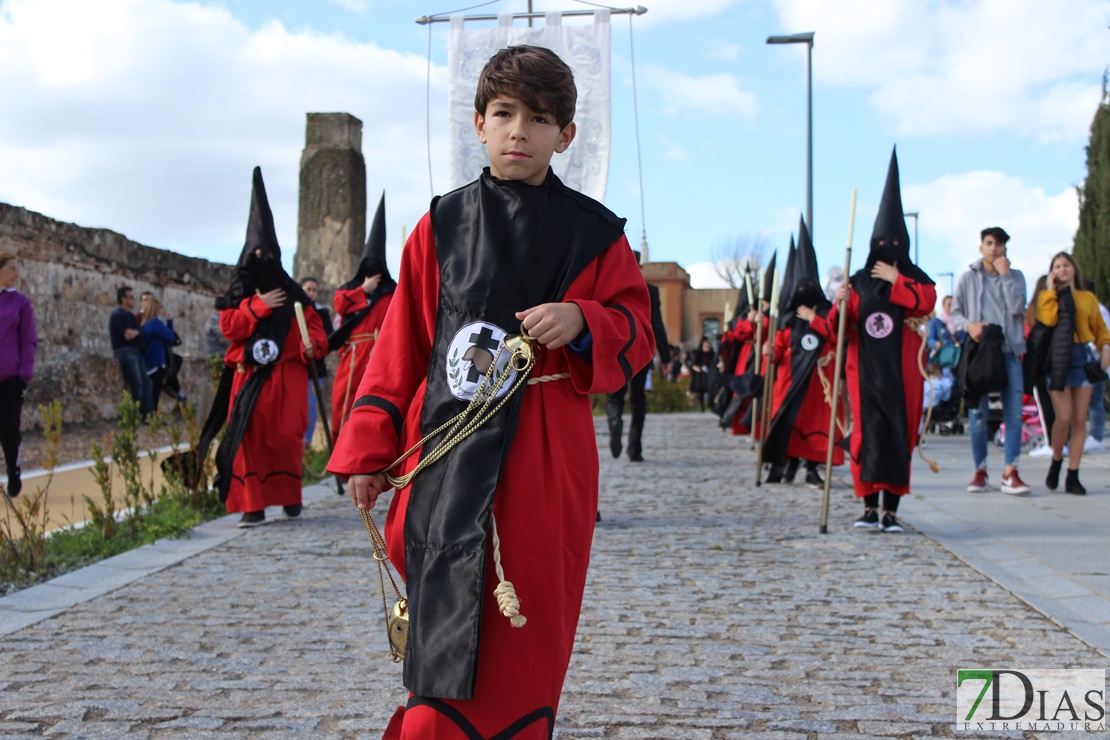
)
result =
(997, 232)
(121, 293)
(533, 75)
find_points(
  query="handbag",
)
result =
(1093, 369)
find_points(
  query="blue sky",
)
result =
(146, 116)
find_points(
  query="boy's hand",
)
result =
(365, 489)
(805, 313)
(274, 298)
(370, 284)
(553, 324)
(885, 271)
(843, 292)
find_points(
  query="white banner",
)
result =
(585, 48)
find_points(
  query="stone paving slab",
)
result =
(713, 610)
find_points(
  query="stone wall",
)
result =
(71, 273)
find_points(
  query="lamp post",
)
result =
(807, 39)
(914, 217)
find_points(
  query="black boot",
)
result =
(791, 470)
(775, 474)
(1052, 480)
(616, 426)
(813, 478)
(1072, 484)
(15, 483)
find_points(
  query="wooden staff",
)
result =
(757, 348)
(768, 380)
(320, 408)
(842, 323)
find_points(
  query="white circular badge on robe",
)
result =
(810, 342)
(879, 325)
(265, 351)
(469, 357)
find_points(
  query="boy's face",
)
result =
(520, 141)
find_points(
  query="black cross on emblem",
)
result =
(482, 340)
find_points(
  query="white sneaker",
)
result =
(1042, 451)
(1093, 445)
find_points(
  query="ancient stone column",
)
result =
(331, 219)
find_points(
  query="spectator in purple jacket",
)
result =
(17, 362)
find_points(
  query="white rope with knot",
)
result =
(507, 600)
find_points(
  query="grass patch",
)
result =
(147, 512)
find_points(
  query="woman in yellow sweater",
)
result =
(1076, 317)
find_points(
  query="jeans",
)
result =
(1011, 417)
(1097, 414)
(11, 408)
(138, 382)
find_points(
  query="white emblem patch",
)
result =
(265, 351)
(879, 325)
(810, 342)
(469, 357)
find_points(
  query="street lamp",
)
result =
(807, 39)
(914, 217)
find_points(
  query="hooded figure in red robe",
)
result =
(884, 380)
(261, 393)
(360, 304)
(747, 380)
(800, 428)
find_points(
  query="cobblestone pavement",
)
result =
(713, 610)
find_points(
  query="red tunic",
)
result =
(355, 352)
(267, 466)
(810, 433)
(546, 499)
(907, 294)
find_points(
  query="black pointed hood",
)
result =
(768, 279)
(259, 266)
(890, 239)
(806, 285)
(744, 301)
(786, 284)
(372, 262)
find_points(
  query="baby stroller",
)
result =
(945, 419)
(1032, 432)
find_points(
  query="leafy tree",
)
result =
(1091, 247)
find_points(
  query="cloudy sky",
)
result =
(146, 116)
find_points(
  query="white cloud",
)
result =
(147, 116)
(955, 208)
(943, 66)
(715, 94)
(724, 52)
(672, 10)
(702, 275)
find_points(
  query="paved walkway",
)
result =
(713, 610)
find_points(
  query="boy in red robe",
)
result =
(514, 247)
(360, 304)
(884, 380)
(259, 460)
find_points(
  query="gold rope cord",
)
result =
(522, 359)
(396, 632)
(827, 388)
